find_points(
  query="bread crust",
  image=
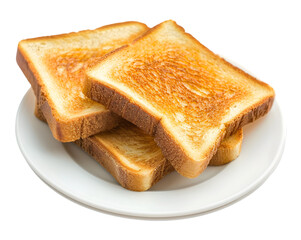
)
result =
(70, 129)
(138, 180)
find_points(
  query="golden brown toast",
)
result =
(133, 157)
(55, 67)
(174, 88)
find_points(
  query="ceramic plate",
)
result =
(74, 173)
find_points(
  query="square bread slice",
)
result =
(55, 67)
(134, 159)
(174, 88)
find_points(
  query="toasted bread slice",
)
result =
(134, 159)
(177, 90)
(55, 66)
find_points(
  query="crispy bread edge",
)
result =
(64, 130)
(225, 153)
(134, 181)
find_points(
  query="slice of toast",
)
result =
(55, 67)
(177, 90)
(134, 159)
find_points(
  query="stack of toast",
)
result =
(142, 101)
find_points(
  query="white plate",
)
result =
(72, 172)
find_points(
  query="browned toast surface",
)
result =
(177, 90)
(55, 66)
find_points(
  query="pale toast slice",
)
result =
(177, 90)
(55, 67)
(134, 159)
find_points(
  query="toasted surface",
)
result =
(55, 66)
(174, 88)
(133, 157)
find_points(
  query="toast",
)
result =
(134, 159)
(55, 67)
(175, 89)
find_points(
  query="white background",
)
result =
(263, 36)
